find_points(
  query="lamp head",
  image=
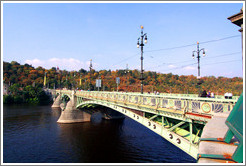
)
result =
(203, 53)
(145, 40)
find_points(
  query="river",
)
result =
(32, 135)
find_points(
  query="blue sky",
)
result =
(68, 35)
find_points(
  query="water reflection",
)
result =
(56, 112)
(32, 134)
(98, 141)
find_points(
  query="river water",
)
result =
(32, 135)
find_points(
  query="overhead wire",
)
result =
(204, 42)
(222, 62)
(203, 64)
(181, 67)
(170, 48)
(124, 60)
(191, 60)
(215, 40)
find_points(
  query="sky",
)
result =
(69, 35)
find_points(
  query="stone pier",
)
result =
(57, 102)
(73, 115)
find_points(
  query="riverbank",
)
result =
(28, 94)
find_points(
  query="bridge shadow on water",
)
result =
(117, 141)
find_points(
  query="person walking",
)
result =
(204, 93)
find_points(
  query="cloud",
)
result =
(35, 62)
(172, 66)
(189, 68)
(63, 63)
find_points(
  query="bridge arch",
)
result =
(181, 126)
(109, 111)
(171, 136)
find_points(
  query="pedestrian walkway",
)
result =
(222, 138)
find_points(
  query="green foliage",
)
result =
(28, 94)
(14, 89)
(18, 99)
(22, 77)
(132, 81)
(8, 99)
(83, 71)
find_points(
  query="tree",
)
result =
(14, 89)
(83, 71)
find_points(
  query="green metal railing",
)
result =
(199, 105)
(235, 125)
(235, 129)
(167, 113)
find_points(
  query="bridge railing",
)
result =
(188, 95)
(200, 105)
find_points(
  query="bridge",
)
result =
(198, 126)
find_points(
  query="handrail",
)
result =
(200, 105)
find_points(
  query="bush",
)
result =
(33, 100)
(8, 99)
(18, 99)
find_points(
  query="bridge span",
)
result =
(179, 118)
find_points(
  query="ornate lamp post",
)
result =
(143, 36)
(198, 59)
(126, 72)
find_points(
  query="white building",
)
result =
(5, 89)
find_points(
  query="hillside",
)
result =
(24, 75)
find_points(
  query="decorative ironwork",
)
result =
(171, 103)
(217, 108)
(195, 106)
(177, 104)
(206, 108)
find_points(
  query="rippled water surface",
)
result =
(32, 135)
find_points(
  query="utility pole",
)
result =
(141, 44)
(90, 73)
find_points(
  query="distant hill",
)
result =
(24, 75)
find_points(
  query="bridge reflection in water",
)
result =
(178, 118)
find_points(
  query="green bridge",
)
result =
(185, 120)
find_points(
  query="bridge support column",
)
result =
(57, 102)
(73, 115)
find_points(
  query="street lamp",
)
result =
(126, 71)
(74, 83)
(143, 36)
(60, 80)
(198, 59)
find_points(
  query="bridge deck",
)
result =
(179, 119)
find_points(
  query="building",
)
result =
(5, 89)
(237, 19)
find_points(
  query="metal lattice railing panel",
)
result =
(177, 104)
(195, 106)
(216, 108)
(164, 103)
(153, 101)
(189, 102)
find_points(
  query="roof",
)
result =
(237, 19)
